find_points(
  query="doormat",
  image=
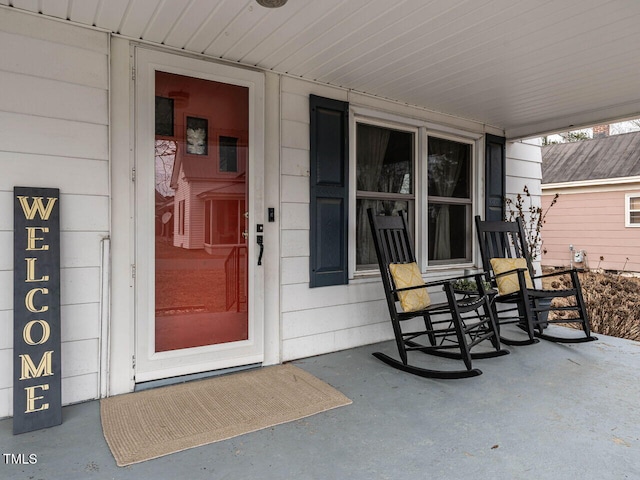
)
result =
(153, 423)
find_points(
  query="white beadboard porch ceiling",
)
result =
(525, 66)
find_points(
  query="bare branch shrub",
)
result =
(533, 219)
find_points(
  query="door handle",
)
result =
(260, 241)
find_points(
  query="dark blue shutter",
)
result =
(495, 178)
(329, 177)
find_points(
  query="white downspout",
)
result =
(105, 302)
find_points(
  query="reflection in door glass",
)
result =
(201, 271)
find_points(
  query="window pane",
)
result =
(365, 251)
(226, 222)
(384, 159)
(228, 154)
(449, 166)
(634, 218)
(207, 222)
(448, 232)
(634, 203)
(201, 263)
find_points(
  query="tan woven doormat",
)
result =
(144, 425)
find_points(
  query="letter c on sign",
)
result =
(26, 332)
(28, 300)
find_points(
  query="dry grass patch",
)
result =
(613, 302)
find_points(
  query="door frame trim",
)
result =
(120, 342)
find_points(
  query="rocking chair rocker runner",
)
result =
(451, 329)
(505, 256)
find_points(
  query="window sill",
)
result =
(366, 276)
(433, 273)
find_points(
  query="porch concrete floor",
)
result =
(545, 411)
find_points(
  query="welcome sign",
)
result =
(37, 401)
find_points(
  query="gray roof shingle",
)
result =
(600, 158)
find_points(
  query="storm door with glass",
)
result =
(196, 162)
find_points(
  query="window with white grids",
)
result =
(632, 214)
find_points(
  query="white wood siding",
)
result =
(524, 167)
(320, 320)
(54, 133)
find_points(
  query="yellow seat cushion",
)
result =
(408, 275)
(509, 283)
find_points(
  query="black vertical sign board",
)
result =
(37, 400)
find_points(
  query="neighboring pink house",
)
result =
(598, 211)
(207, 205)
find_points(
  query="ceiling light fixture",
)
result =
(271, 3)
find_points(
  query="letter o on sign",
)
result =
(26, 332)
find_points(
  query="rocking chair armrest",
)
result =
(509, 272)
(435, 283)
(444, 281)
(482, 274)
(404, 289)
(560, 272)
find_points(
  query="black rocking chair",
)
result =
(451, 329)
(529, 306)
